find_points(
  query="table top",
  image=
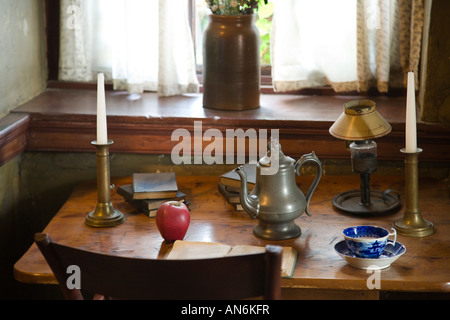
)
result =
(424, 266)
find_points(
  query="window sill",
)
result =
(65, 120)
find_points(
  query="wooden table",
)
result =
(320, 272)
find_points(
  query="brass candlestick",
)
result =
(412, 224)
(104, 214)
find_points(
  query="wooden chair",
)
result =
(236, 277)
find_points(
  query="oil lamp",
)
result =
(358, 125)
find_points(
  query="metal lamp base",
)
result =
(380, 202)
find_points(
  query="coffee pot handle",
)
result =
(307, 158)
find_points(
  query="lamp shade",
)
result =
(360, 121)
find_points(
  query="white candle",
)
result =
(411, 131)
(102, 136)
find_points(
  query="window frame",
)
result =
(52, 11)
(52, 25)
(266, 70)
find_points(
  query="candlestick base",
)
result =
(104, 214)
(412, 224)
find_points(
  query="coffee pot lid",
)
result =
(274, 150)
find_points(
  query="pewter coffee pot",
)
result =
(276, 201)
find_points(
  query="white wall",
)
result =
(23, 69)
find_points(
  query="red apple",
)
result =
(172, 220)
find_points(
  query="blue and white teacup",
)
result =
(368, 241)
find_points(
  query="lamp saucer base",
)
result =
(381, 202)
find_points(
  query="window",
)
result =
(263, 22)
(132, 42)
(348, 45)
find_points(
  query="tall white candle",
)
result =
(102, 136)
(411, 130)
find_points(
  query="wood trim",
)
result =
(74, 85)
(266, 88)
(64, 120)
(13, 139)
(138, 135)
(52, 25)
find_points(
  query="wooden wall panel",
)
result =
(64, 120)
(13, 139)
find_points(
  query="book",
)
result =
(231, 197)
(233, 180)
(148, 206)
(153, 204)
(232, 189)
(183, 249)
(154, 185)
(152, 212)
(126, 191)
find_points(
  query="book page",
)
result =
(244, 249)
(289, 260)
(203, 250)
(197, 250)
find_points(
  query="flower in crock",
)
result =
(234, 7)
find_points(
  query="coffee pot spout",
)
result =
(250, 203)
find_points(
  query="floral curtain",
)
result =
(138, 44)
(315, 43)
(411, 25)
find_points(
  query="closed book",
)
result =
(232, 178)
(231, 197)
(153, 204)
(152, 213)
(154, 185)
(148, 206)
(126, 191)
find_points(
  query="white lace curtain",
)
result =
(138, 44)
(350, 45)
(147, 44)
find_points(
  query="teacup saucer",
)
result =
(389, 255)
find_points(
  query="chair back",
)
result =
(235, 277)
